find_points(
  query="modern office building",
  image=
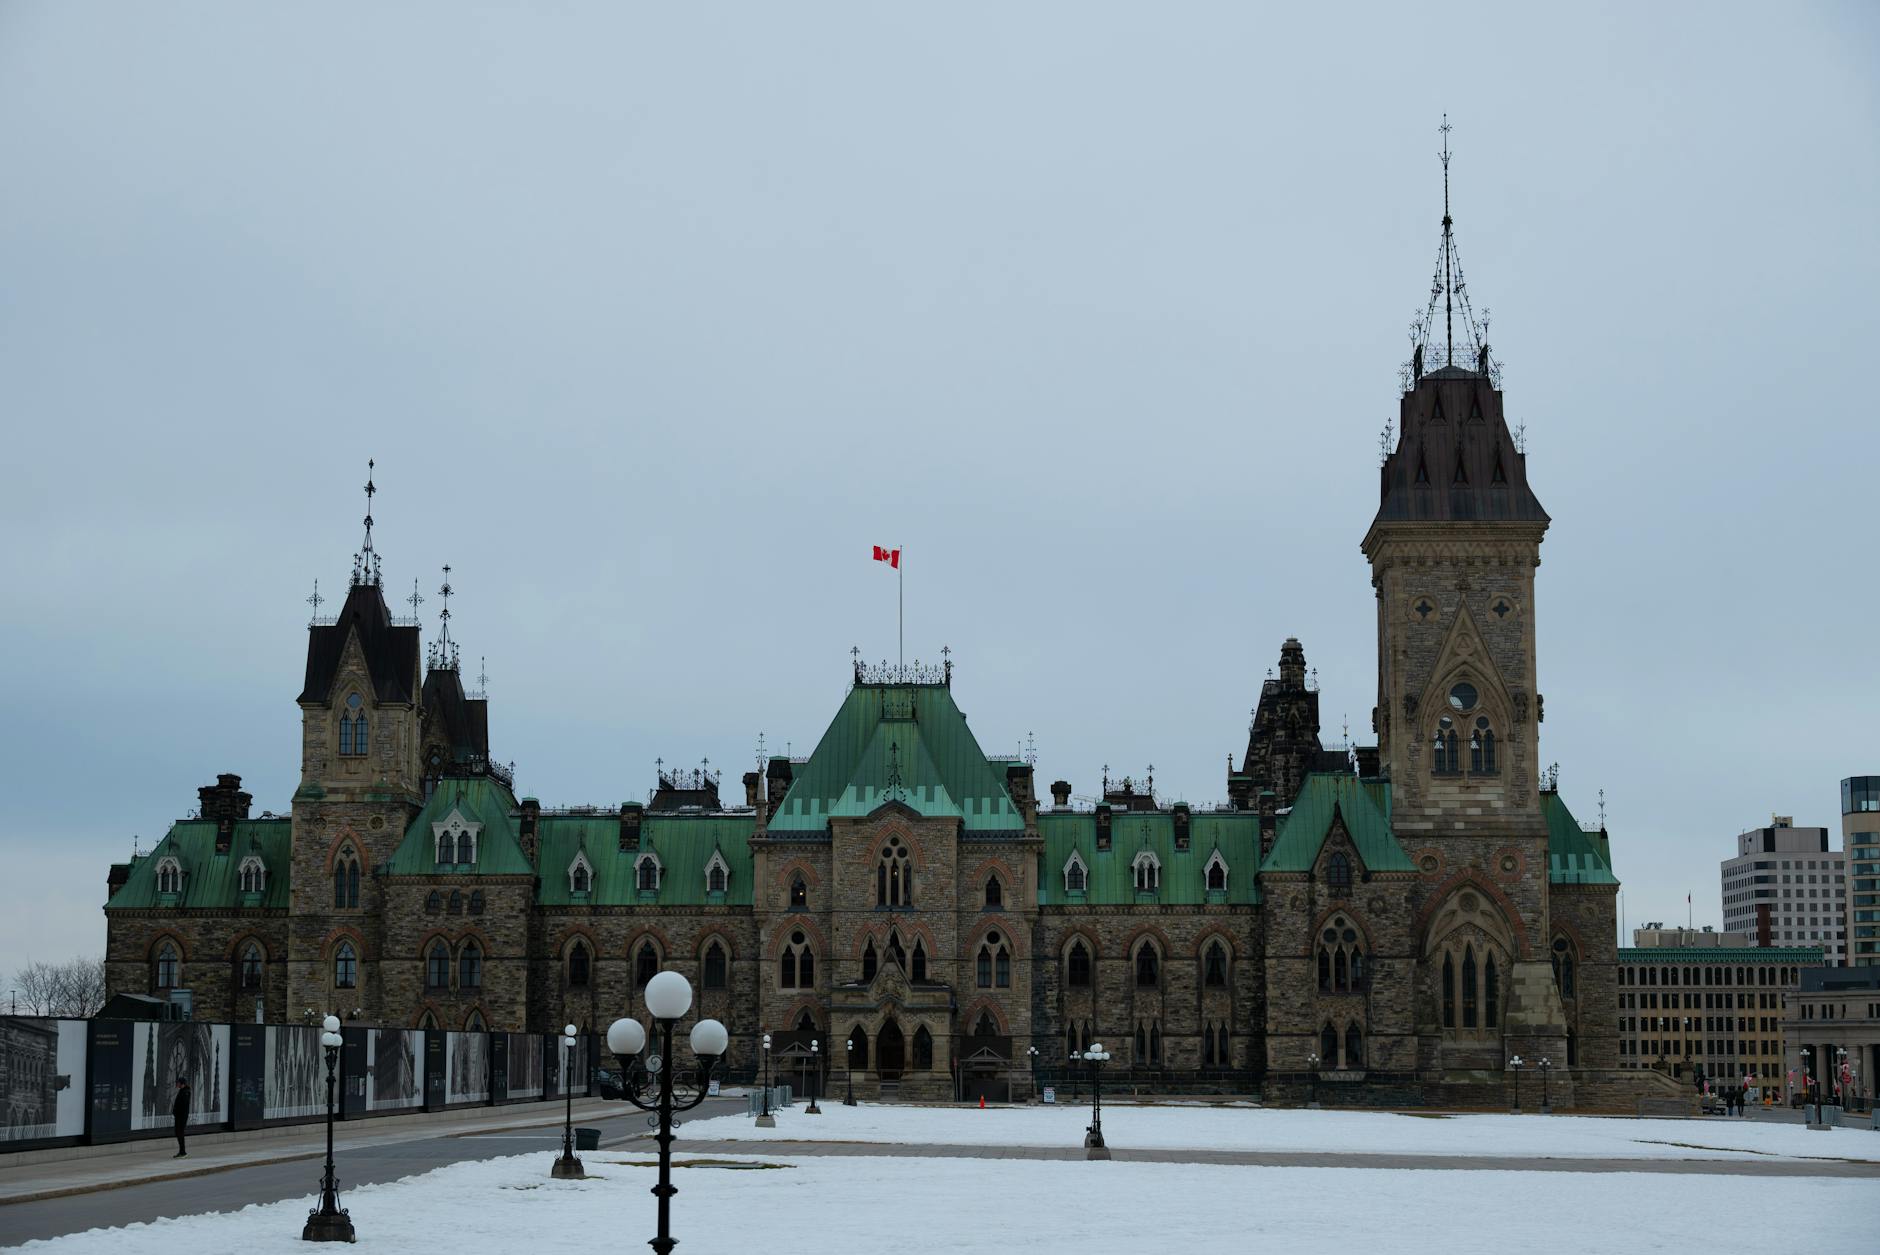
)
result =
(1860, 840)
(1786, 887)
(1691, 1005)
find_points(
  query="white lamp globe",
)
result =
(815, 1047)
(330, 1024)
(668, 996)
(330, 1040)
(709, 1038)
(625, 1037)
(567, 1030)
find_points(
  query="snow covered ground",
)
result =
(843, 1205)
(1251, 1128)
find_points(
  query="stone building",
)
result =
(1390, 920)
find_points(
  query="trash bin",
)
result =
(587, 1139)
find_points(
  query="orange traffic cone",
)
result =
(982, 1102)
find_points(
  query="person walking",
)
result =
(180, 1109)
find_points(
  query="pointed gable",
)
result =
(1345, 798)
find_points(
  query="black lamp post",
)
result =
(1031, 1053)
(815, 1067)
(668, 997)
(569, 1165)
(329, 1222)
(1514, 1065)
(1312, 1079)
(765, 1120)
(848, 1073)
(1547, 1105)
(1094, 1148)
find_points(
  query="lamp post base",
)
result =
(328, 1226)
(849, 1101)
(1098, 1151)
(568, 1168)
(767, 1122)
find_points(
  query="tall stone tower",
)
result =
(360, 783)
(1453, 549)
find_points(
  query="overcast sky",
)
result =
(657, 317)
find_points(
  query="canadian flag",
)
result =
(890, 556)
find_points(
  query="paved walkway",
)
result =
(1745, 1167)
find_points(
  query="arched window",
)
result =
(1563, 966)
(1328, 1047)
(1217, 873)
(646, 873)
(896, 954)
(645, 963)
(918, 972)
(858, 1048)
(1354, 1047)
(346, 879)
(345, 967)
(1077, 967)
(1214, 967)
(580, 965)
(466, 848)
(714, 970)
(1207, 1046)
(1155, 1043)
(995, 893)
(804, 1024)
(578, 879)
(1338, 873)
(786, 969)
(1341, 961)
(1468, 987)
(799, 892)
(1341, 974)
(1573, 1049)
(473, 1023)
(894, 876)
(994, 965)
(1142, 1045)
(353, 740)
(169, 876)
(470, 966)
(797, 963)
(869, 962)
(1076, 875)
(253, 875)
(1444, 759)
(251, 966)
(1357, 969)
(1482, 748)
(456, 902)
(1449, 991)
(166, 966)
(1325, 971)
(716, 878)
(923, 1049)
(985, 1027)
(434, 903)
(476, 902)
(1491, 989)
(1148, 870)
(437, 966)
(1148, 966)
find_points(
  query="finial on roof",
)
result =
(1031, 750)
(316, 601)
(416, 599)
(1453, 290)
(366, 562)
(443, 649)
(1602, 810)
(483, 675)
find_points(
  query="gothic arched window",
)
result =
(466, 848)
(1077, 967)
(1214, 967)
(799, 892)
(1076, 875)
(1449, 991)
(169, 876)
(353, 738)
(1482, 748)
(1338, 873)
(166, 965)
(1354, 1047)
(858, 1048)
(434, 903)
(869, 962)
(1563, 966)
(645, 963)
(470, 966)
(1444, 754)
(1491, 989)
(994, 964)
(251, 966)
(797, 964)
(1148, 871)
(995, 893)
(1468, 987)
(894, 876)
(580, 965)
(918, 972)
(346, 879)
(1328, 1047)
(345, 967)
(646, 873)
(456, 902)
(714, 967)
(923, 1049)
(476, 902)
(1148, 966)
(253, 875)
(437, 966)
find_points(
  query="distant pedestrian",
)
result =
(180, 1109)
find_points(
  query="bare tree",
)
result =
(74, 988)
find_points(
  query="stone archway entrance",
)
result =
(890, 1052)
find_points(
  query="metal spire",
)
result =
(1449, 285)
(366, 562)
(416, 599)
(443, 649)
(316, 601)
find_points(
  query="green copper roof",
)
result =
(904, 743)
(1574, 856)
(210, 879)
(1806, 956)
(1365, 807)
(481, 800)
(1111, 875)
(684, 845)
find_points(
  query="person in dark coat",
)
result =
(180, 1109)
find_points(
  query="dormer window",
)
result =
(169, 876)
(717, 873)
(1216, 873)
(456, 839)
(1076, 875)
(1148, 869)
(646, 872)
(580, 875)
(254, 874)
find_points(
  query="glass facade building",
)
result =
(1860, 840)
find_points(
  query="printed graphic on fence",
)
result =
(392, 1066)
(468, 1078)
(296, 1074)
(42, 1077)
(163, 1051)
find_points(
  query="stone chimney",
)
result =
(531, 815)
(777, 779)
(1269, 821)
(1181, 825)
(1061, 794)
(751, 783)
(1018, 783)
(1103, 825)
(225, 803)
(119, 874)
(631, 813)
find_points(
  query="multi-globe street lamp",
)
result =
(569, 1165)
(848, 1073)
(1031, 1052)
(1094, 1148)
(1514, 1065)
(668, 997)
(765, 1120)
(1546, 1066)
(329, 1222)
(1312, 1079)
(815, 1067)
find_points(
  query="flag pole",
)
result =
(900, 608)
